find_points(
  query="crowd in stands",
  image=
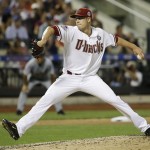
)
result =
(24, 20)
(21, 21)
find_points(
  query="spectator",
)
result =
(119, 31)
(96, 22)
(46, 22)
(133, 76)
(17, 47)
(117, 76)
(16, 30)
(68, 11)
(131, 38)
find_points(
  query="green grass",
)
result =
(39, 134)
(47, 133)
(76, 115)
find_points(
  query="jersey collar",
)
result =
(94, 33)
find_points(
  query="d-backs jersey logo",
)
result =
(88, 48)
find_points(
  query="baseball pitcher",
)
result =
(84, 47)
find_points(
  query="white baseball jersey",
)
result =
(83, 54)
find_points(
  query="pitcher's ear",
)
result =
(89, 19)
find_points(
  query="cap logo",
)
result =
(88, 14)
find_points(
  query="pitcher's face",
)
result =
(82, 22)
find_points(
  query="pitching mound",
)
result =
(104, 143)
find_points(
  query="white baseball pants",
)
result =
(67, 84)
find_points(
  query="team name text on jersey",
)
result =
(87, 48)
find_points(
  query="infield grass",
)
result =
(47, 133)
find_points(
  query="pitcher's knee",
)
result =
(116, 100)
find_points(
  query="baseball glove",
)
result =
(36, 50)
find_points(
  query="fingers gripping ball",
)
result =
(36, 50)
(139, 57)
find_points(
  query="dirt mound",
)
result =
(104, 143)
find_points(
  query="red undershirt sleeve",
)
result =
(57, 30)
(116, 39)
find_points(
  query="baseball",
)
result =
(139, 57)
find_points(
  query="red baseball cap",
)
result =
(82, 12)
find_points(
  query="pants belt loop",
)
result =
(69, 72)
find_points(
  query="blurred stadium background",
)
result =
(126, 18)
